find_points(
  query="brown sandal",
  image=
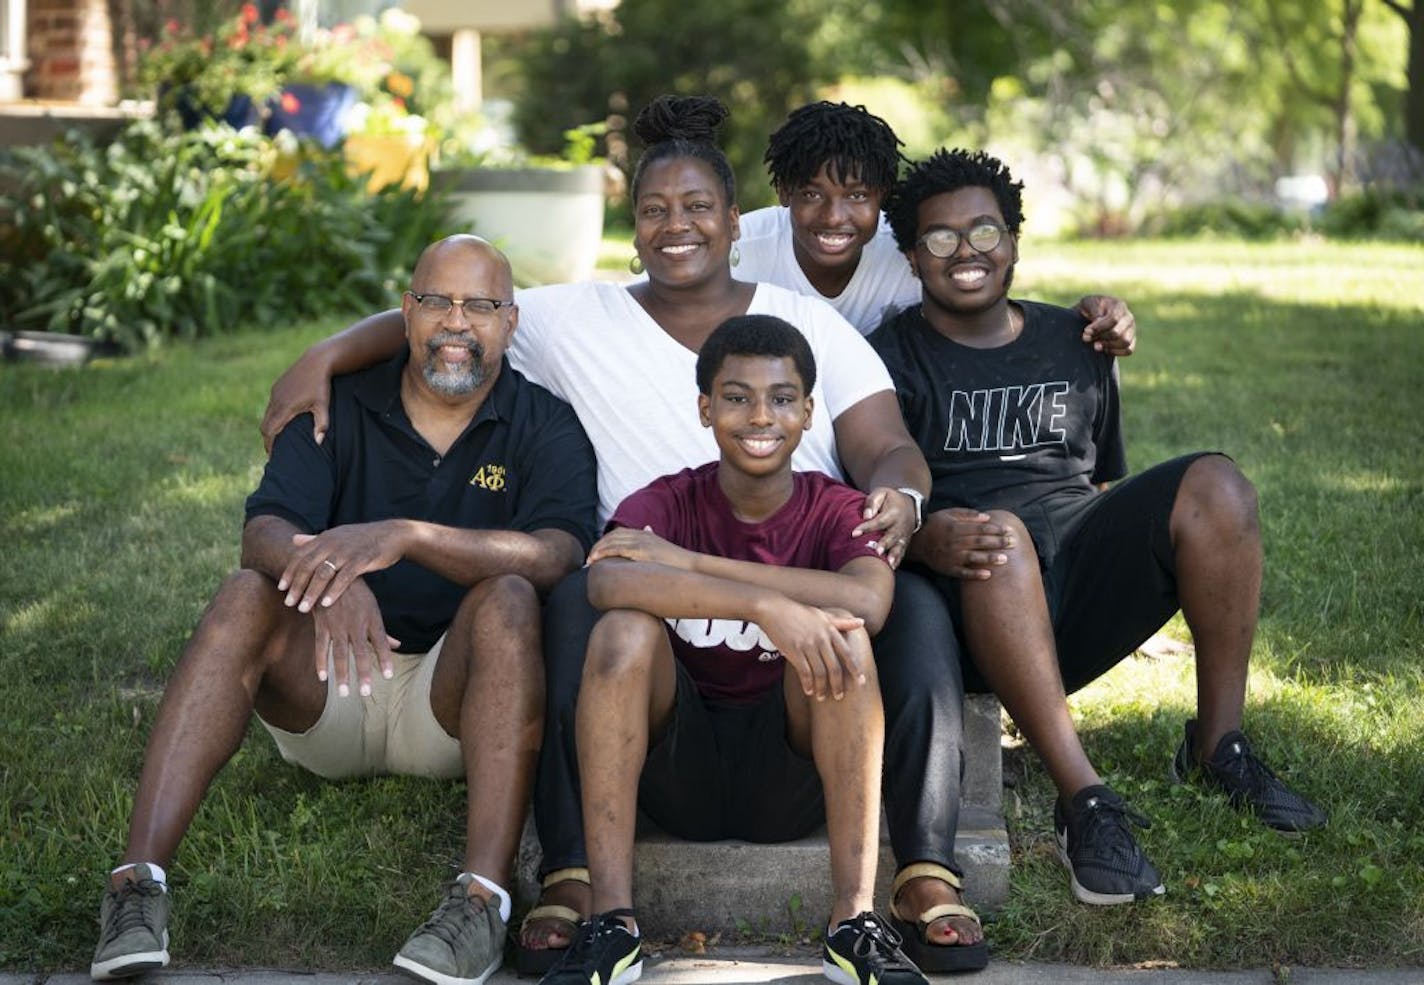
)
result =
(929, 956)
(532, 961)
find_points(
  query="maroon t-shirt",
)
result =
(732, 660)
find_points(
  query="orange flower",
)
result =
(399, 84)
(250, 14)
(290, 103)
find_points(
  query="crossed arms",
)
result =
(806, 613)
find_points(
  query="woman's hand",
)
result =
(893, 514)
(304, 387)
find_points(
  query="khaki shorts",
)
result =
(392, 731)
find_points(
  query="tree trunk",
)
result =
(1345, 129)
(1414, 97)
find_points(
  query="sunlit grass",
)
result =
(1311, 271)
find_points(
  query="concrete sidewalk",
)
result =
(755, 966)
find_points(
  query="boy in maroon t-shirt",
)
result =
(712, 582)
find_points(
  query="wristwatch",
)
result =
(919, 501)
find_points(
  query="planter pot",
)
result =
(53, 348)
(312, 111)
(548, 221)
(389, 160)
(240, 112)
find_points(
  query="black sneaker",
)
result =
(604, 952)
(1236, 770)
(1095, 842)
(865, 950)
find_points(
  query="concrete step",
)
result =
(983, 756)
(726, 886)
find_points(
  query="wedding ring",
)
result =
(331, 566)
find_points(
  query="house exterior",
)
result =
(62, 51)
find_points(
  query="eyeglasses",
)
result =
(474, 308)
(982, 238)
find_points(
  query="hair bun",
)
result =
(692, 118)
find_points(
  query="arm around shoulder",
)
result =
(306, 384)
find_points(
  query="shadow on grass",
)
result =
(121, 511)
(1238, 895)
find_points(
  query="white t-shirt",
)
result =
(881, 285)
(634, 387)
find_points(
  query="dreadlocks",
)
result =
(948, 171)
(684, 126)
(847, 140)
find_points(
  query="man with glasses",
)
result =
(1051, 579)
(386, 617)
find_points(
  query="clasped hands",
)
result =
(323, 578)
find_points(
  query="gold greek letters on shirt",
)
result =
(489, 477)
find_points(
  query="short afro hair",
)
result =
(683, 126)
(755, 335)
(848, 141)
(948, 171)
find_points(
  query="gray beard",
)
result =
(456, 382)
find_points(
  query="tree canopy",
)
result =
(1135, 100)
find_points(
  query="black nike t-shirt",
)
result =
(1031, 426)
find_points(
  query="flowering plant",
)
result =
(242, 57)
(351, 54)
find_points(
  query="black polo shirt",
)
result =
(523, 463)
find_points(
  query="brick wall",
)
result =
(71, 52)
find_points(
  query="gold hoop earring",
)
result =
(736, 257)
(635, 265)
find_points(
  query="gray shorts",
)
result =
(391, 731)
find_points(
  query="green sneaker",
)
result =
(461, 944)
(133, 928)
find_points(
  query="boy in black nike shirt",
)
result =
(1052, 579)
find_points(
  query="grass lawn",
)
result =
(120, 509)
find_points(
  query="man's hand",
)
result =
(963, 543)
(813, 642)
(305, 386)
(324, 565)
(1111, 327)
(640, 545)
(892, 514)
(352, 628)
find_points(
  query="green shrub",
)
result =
(1231, 217)
(192, 234)
(1376, 213)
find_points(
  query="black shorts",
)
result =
(1112, 582)
(727, 771)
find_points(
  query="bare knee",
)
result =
(1012, 524)
(245, 589)
(247, 603)
(1020, 560)
(505, 597)
(501, 609)
(1215, 496)
(622, 644)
